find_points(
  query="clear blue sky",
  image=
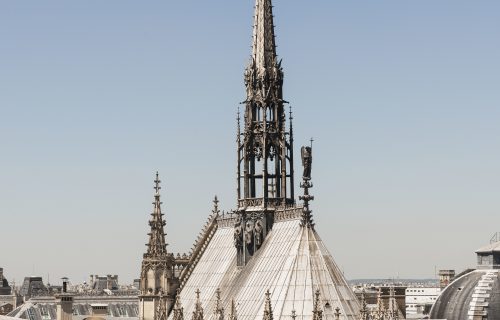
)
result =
(402, 98)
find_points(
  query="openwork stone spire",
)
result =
(268, 311)
(157, 246)
(198, 309)
(317, 311)
(265, 172)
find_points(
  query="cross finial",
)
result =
(157, 183)
(216, 206)
(337, 313)
(268, 311)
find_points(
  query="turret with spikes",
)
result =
(268, 310)
(157, 246)
(317, 311)
(158, 283)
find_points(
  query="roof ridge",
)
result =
(199, 246)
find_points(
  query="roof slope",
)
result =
(292, 263)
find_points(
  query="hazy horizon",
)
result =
(401, 98)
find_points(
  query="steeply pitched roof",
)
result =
(292, 264)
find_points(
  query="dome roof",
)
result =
(474, 293)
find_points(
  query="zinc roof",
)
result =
(292, 263)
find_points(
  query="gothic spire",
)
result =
(264, 47)
(178, 309)
(157, 245)
(264, 161)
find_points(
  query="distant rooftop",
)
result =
(491, 248)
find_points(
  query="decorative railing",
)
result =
(288, 214)
(271, 202)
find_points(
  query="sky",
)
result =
(402, 99)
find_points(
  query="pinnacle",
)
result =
(157, 244)
(264, 47)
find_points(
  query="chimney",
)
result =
(64, 302)
(109, 282)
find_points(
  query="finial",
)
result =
(268, 311)
(198, 309)
(219, 310)
(157, 183)
(157, 245)
(312, 140)
(294, 315)
(178, 309)
(233, 315)
(337, 313)
(317, 312)
(216, 210)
